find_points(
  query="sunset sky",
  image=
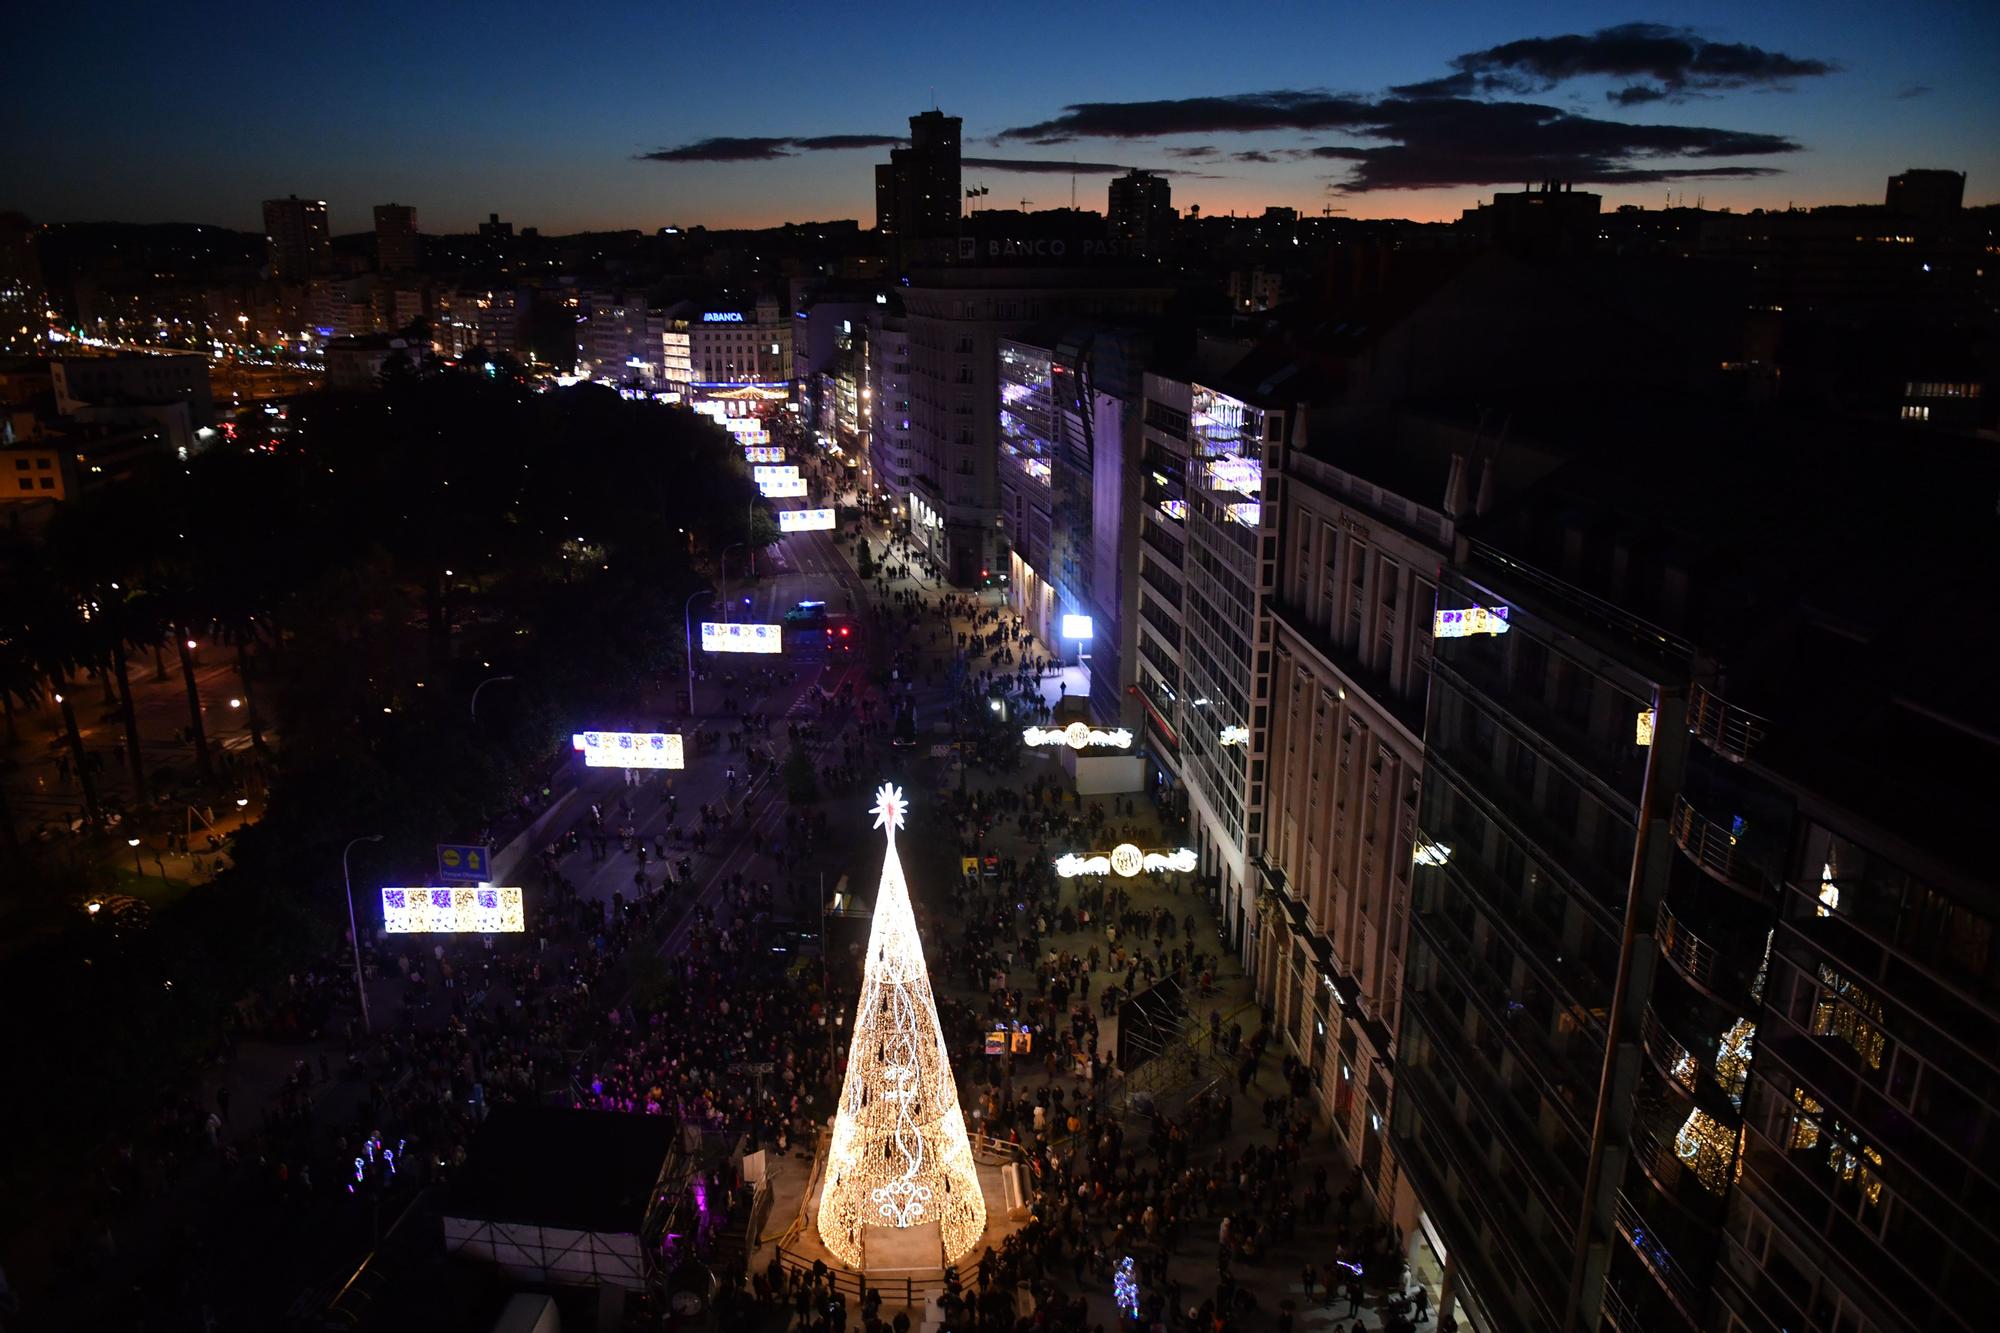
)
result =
(575, 117)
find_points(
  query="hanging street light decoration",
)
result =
(1126, 860)
(1079, 736)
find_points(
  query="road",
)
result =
(800, 566)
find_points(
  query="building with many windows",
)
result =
(889, 397)
(398, 246)
(1368, 519)
(1699, 1023)
(296, 238)
(956, 318)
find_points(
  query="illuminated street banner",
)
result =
(805, 520)
(1125, 859)
(774, 472)
(1077, 736)
(740, 638)
(763, 453)
(629, 749)
(485, 910)
(783, 489)
(1076, 627)
(1471, 620)
(743, 425)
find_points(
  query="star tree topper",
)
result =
(890, 807)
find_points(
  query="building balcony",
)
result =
(1731, 731)
(1675, 1060)
(1717, 972)
(1716, 848)
(1650, 1244)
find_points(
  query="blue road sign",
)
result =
(471, 864)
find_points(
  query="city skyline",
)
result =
(1371, 114)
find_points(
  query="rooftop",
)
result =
(583, 1170)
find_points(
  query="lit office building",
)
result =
(889, 398)
(1068, 426)
(957, 317)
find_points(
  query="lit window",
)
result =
(1916, 412)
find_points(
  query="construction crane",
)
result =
(1025, 203)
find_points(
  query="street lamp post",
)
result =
(137, 872)
(723, 567)
(491, 680)
(353, 932)
(687, 626)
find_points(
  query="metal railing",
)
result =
(1696, 959)
(1711, 846)
(1730, 731)
(1652, 1249)
(1676, 1061)
(913, 1292)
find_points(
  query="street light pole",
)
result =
(687, 626)
(723, 570)
(491, 680)
(353, 933)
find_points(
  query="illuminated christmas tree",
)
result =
(900, 1156)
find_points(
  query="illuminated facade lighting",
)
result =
(1234, 736)
(1428, 853)
(484, 910)
(734, 637)
(1078, 736)
(1468, 621)
(630, 749)
(1125, 860)
(1642, 730)
(900, 1156)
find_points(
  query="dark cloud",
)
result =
(1636, 95)
(1909, 90)
(1043, 166)
(826, 142)
(1199, 150)
(721, 150)
(765, 150)
(1677, 61)
(1432, 142)
(1415, 142)
(1238, 113)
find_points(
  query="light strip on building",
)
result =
(1126, 860)
(1468, 621)
(1078, 736)
(629, 749)
(484, 910)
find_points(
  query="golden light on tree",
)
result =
(900, 1156)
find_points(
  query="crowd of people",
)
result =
(750, 1044)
